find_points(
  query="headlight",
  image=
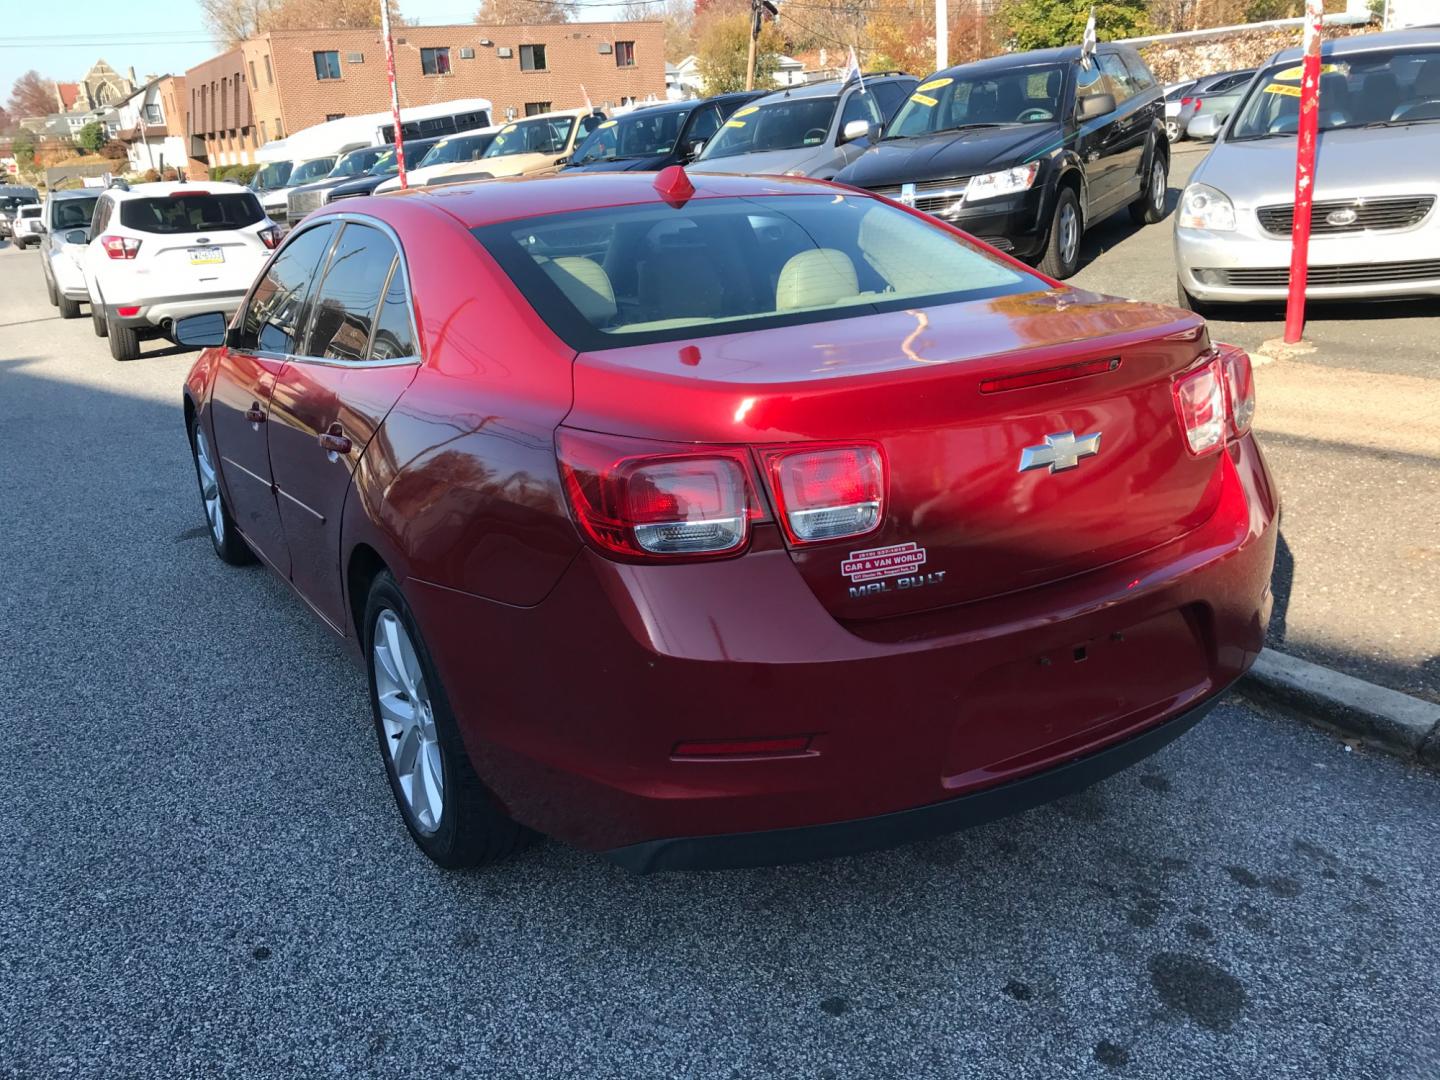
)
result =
(1004, 182)
(1203, 207)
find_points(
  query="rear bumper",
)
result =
(572, 709)
(733, 851)
(161, 311)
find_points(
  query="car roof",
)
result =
(827, 88)
(486, 202)
(1419, 36)
(1010, 61)
(550, 115)
(173, 187)
(72, 193)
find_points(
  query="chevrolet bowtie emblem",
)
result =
(1059, 452)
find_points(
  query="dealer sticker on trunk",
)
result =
(883, 562)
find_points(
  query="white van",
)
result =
(308, 154)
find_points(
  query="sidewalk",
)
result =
(1352, 434)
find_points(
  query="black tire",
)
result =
(124, 341)
(1149, 207)
(97, 319)
(229, 545)
(1062, 251)
(1202, 308)
(472, 830)
(69, 309)
(52, 293)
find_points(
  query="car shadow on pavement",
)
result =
(1117, 228)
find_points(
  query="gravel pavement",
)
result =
(204, 875)
(1352, 434)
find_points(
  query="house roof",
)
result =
(69, 93)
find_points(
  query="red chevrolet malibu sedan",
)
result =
(736, 522)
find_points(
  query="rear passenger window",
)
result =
(279, 308)
(347, 300)
(889, 95)
(394, 337)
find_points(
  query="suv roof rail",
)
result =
(118, 182)
(879, 74)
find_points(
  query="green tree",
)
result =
(722, 50)
(23, 147)
(92, 137)
(1047, 24)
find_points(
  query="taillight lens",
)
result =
(1200, 401)
(120, 247)
(641, 499)
(270, 237)
(826, 493)
(1185, 101)
(1239, 388)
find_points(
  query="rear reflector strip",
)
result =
(1049, 375)
(127, 312)
(797, 744)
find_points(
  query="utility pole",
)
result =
(942, 35)
(394, 91)
(757, 14)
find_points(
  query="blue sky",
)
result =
(62, 38)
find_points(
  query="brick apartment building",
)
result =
(286, 80)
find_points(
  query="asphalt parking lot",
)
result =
(204, 874)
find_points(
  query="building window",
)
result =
(269, 74)
(264, 138)
(279, 131)
(253, 80)
(435, 61)
(334, 116)
(624, 54)
(532, 57)
(535, 108)
(152, 115)
(327, 65)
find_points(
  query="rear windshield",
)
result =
(191, 213)
(73, 213)
(631, 275)
(30, 211)
(781, 125)
(11, 201)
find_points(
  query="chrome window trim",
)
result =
(404, 266)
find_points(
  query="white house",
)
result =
(685, 76)
(153, 138)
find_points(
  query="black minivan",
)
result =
(1029, 150)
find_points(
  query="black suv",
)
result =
(656, 136)
(1027, 151)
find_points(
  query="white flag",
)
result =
(852, 73)
(1088, 42)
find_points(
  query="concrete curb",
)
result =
(1375, 715)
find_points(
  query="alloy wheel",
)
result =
(1157, 185)
(409, 721)
(209, 486)
(1069, 233)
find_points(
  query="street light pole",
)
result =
(942, 35)
(1304, 171)
(394, 90)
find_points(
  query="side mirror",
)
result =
(693, 148)
(855, 129)
(201, 331)
(40, 227)
(1204, 126)
(77, 236)
(1096, 105)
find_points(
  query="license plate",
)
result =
(206, 256)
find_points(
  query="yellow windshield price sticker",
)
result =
(935, 84)
(1299, 72)
(608, 124)
(923, 99)
(508, 128)
(735, 123)
(1281, 88)
(748, 110)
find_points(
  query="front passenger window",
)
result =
(279, 308)
(1118, 75)
(860, 106)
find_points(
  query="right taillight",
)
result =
(1239, 388)
(828, 493)
(646, 500)
(1200, 401)
(120, 247)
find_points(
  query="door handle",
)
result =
(255, 414)
(334, 442)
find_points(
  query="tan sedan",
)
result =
(535, 146)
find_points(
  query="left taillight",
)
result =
(828, 492)
(120, 247)
(1239, 388)
(270, 237)
(644, 500)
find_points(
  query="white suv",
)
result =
(67, 231)
(159, 252)
(27, 226)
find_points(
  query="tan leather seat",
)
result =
(585, 284)
(814, 279)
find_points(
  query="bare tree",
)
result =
(32, 95)
(233, 21)
(678, 17)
